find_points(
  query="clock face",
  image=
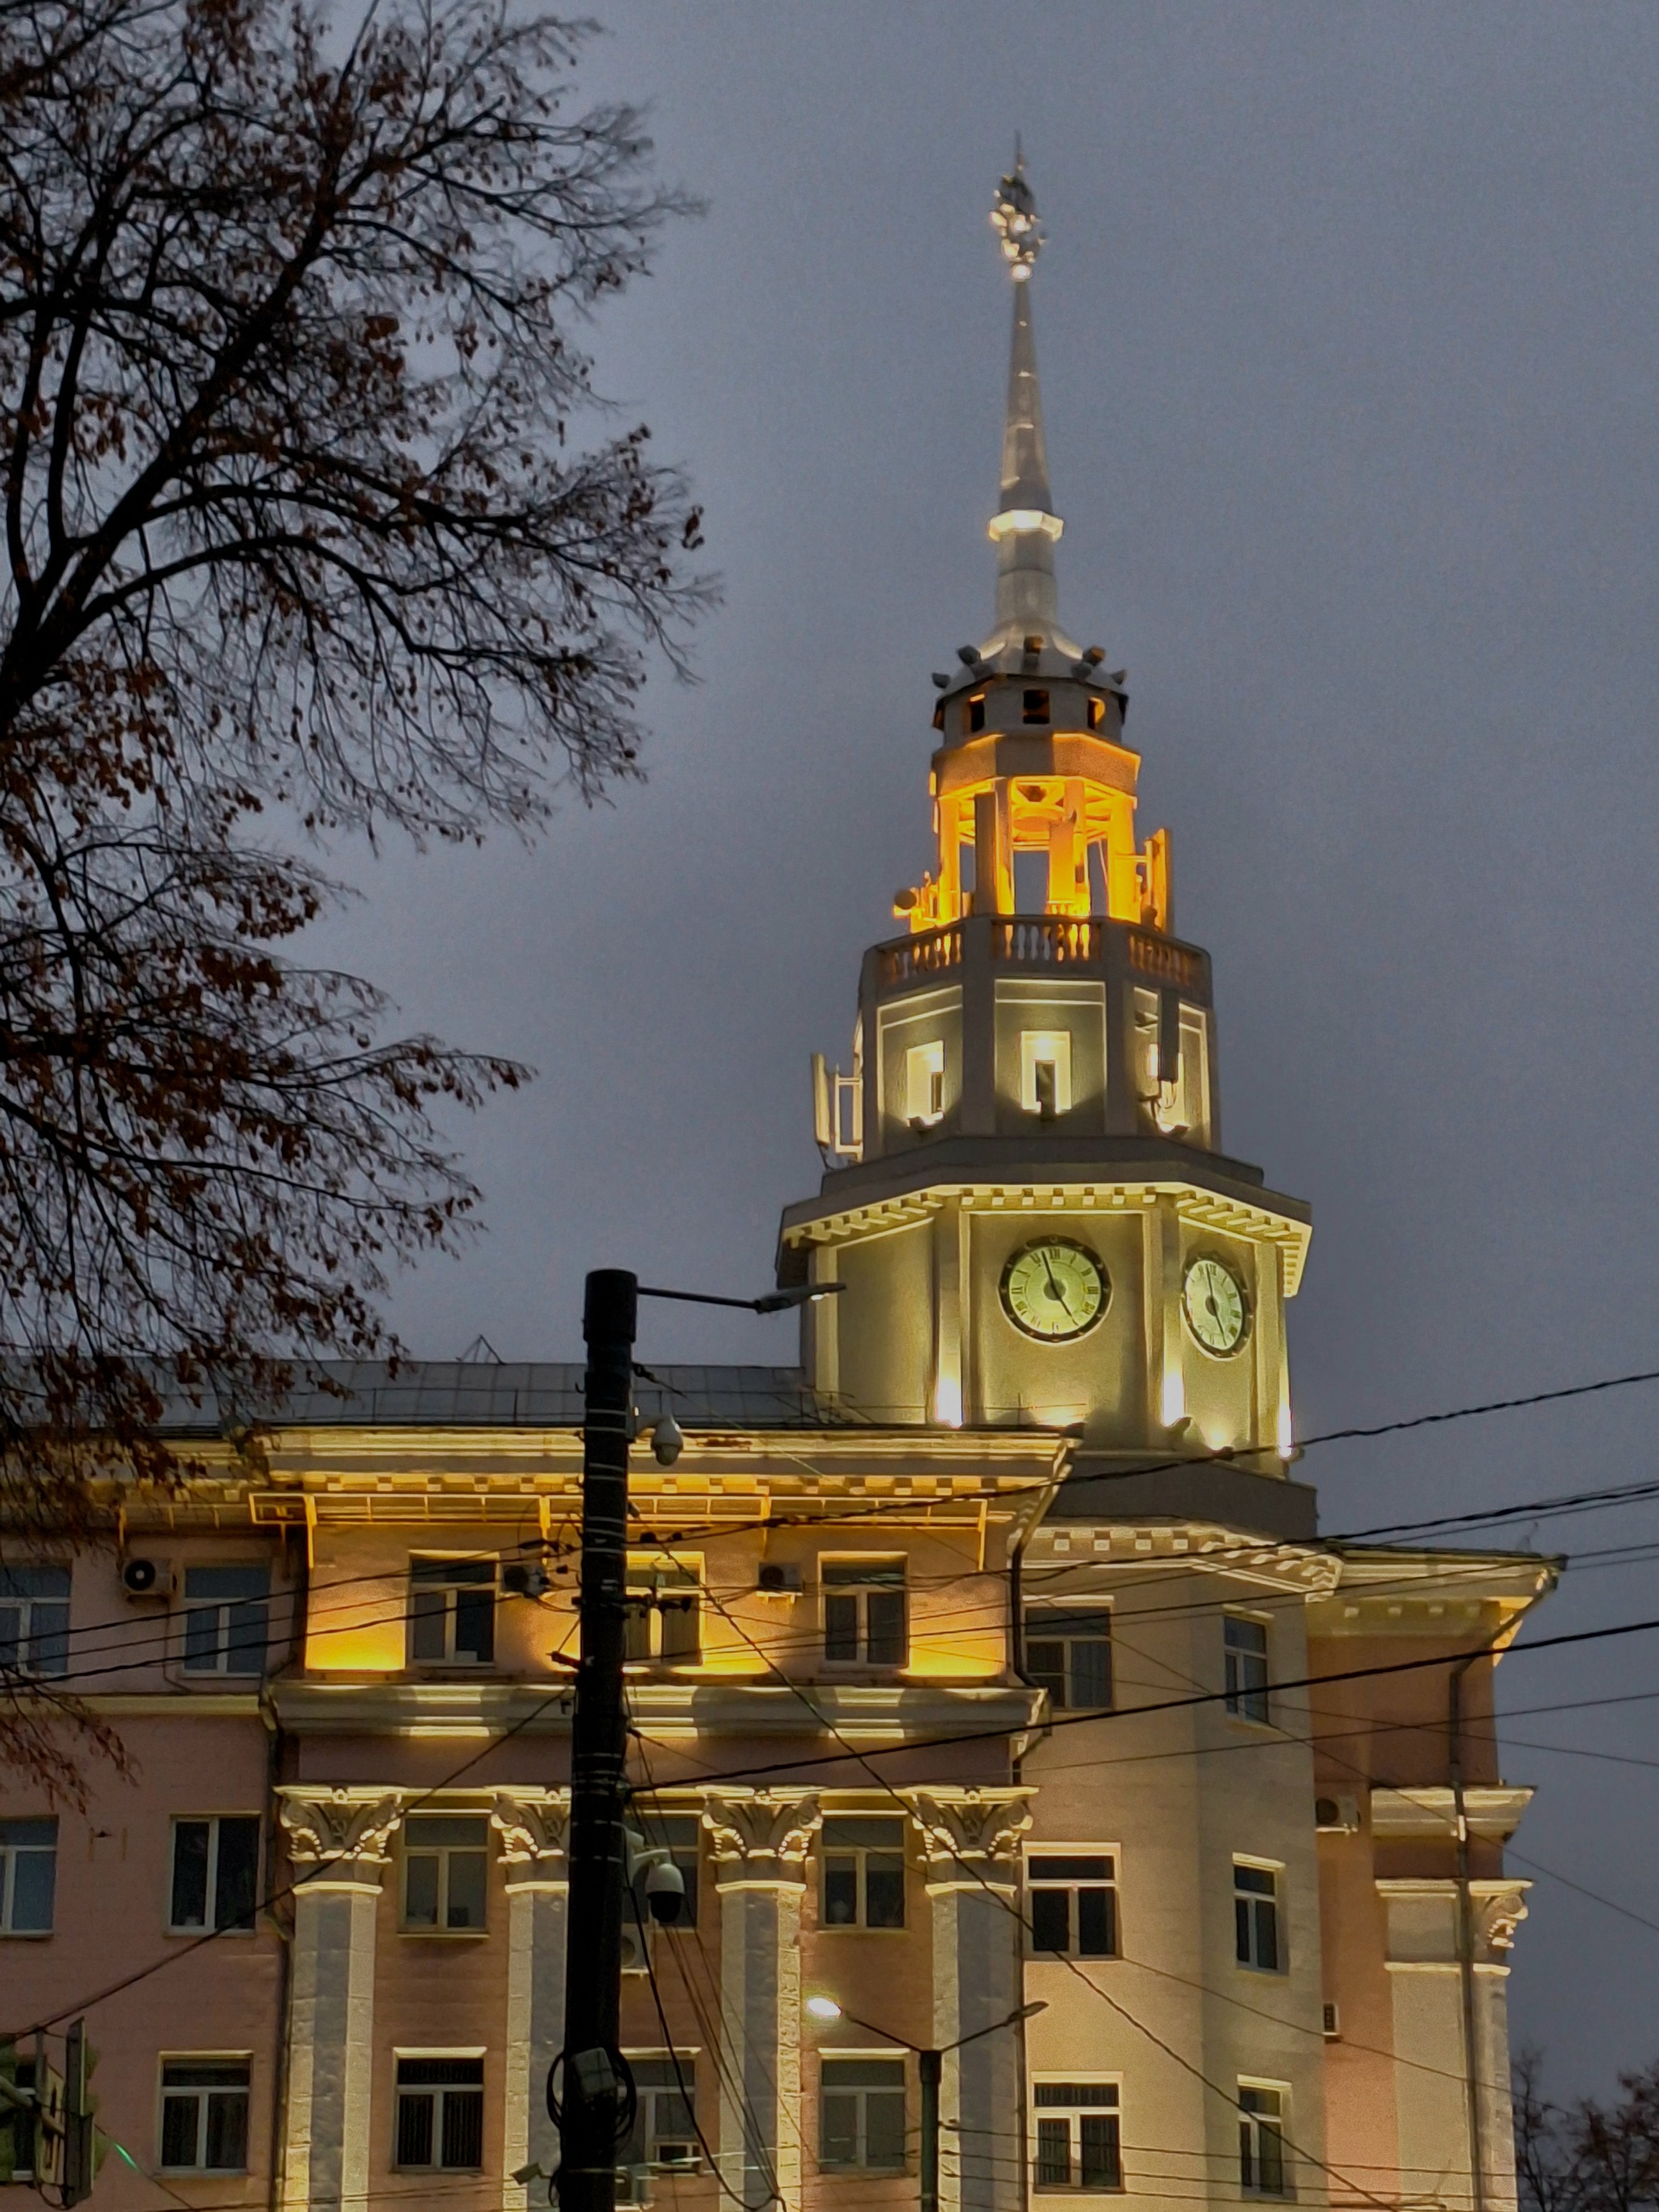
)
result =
(1055, 1289)
(1212, 1299)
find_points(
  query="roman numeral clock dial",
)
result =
(1055, 1289)
(1212, 1299)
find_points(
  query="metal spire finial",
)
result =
(1014, 219)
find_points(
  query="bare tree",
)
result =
(1585, 2157)
(305, 524)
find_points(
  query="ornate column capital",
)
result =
(533, 1825)
(344, 1831)
(971, 1836)
(760, 1838)
(1498, 1908)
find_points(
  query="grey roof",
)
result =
(538, 1393)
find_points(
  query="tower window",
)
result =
(1244, 1652)
(1097, 713)
(924, 1084)
(973, 713)
(1037, 706)
(939, 715)
(1073, 1906)
(1261, 2140)
(1255, 1914)
(1045, 1072)
(864, 1613)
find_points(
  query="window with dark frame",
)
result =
(973, 713)
(1069, 1654)
(1034, 707)
(663, 2137)
(1078, 2139)
(1072, 1903)
(865, 1621)
(452, 1611)
(663, 1615)
(16, 2121)
(225, 1620)
(1261, 2167)
(215, 1874)
(862, 1866)
(1244, 1648)
(35, 1613)
(1255, 1915)
(28, 1876)
(204, 2114)
(445, 1859)
(861, 2115)
(439, 2114)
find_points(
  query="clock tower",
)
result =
(1026, 1200)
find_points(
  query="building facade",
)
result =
(989, 1681)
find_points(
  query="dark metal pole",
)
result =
(933, 2070)
(589, 2089)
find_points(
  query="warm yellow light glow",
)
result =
(824, 2008)
(947, 1401)
(1286, 1433)
(1175, 1397)
(1015, 519)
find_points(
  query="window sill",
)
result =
(27, 1934)
(857, 1928)
(443, 1935)
(438, 2169)
(205, 2172)
(197, 1935)
(887, 2172)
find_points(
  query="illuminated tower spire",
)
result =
(1025, 526)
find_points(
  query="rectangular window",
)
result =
(924, 1084)
(440, 2113)
(452, 1611)
(204, 2114)
(1244, 1646)
(1078, 2143)
(863, 1869)
(34, 1607)
(225, 1617)
(865, 1622)
(215, 1874)
(973, 713)
(1261, 2141)
(1070, 1656)
(1255, 1915)
(681, 1834)
(1034, 707)
(663, 1619)
(16, 2121)
(663, 2135)
(1045, 1072)
(1074, 1906)
(28, 1876)
(862, 2114)
(445, 1874)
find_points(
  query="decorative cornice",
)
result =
(760, 1839)
(1493, 1810)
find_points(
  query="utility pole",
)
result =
(590, 2098)
(930, 2064)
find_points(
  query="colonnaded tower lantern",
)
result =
(1026, 1195)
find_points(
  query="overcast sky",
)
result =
(1348, 334)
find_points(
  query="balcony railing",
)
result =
(1045, 940)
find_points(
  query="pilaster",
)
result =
(337, 1841)
(533, 1825)
(759, 1841)
(1433, 2063)
(971, 1839)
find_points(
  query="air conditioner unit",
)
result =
(778, 1579)
(520, 1579)
(147, 1578)
(634, 1958)
(1333, 2023)
(1338, 1816)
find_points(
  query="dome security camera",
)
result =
(665, 1891)
(668, 1441)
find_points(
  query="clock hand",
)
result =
(1054, 1291)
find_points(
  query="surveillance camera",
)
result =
(665, 1891)
(668, 1441)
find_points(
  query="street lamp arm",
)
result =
(769, 1302)
(1025, 2012)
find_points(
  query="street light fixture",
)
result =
(932, 2069)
